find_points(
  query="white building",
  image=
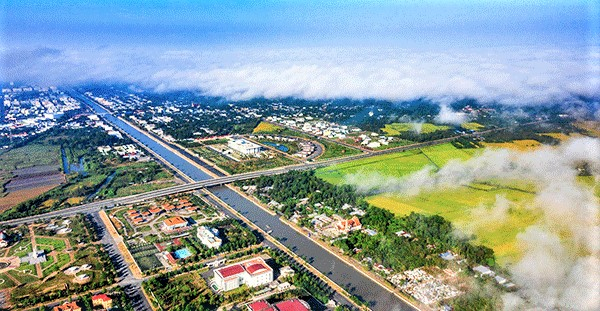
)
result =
(253, 272)
(209, 237)
(243, 146)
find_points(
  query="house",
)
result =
(67, 306)
(155, 211)
(253, 272)
(35, 257)
(3, 239)
(102, 300)
(484, 271)
(174, 223)
(347, 225)
(260, 305)
(209, 237)
(294, 304)
(447, 256)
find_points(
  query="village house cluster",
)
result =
(128, 152)
(423, 286)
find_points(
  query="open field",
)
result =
(29, 156)
(472, 126)
(395, 164)
(464, 207)
(14, 198)
(425, 128)
(467, 206)
(265, 127)
(592, 127)
(441, 154)
(520, 145)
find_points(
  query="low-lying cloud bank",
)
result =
(515, 75)
(560, 267)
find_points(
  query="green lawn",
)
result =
(22, 248)
(24, 277)
(63, 259)
(58, 244)
(6, 282)
(425, 128)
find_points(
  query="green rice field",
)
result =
(465, 206)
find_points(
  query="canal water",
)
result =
(333, 267)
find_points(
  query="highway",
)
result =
(329, 264)
(206, 183)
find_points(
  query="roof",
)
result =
(155, 210)
(254, 268)
(231, 270)
(67, 306)
(102, 297)
(173, 221)
(292, 305)
(260, 305)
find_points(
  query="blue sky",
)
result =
(423, 23)
(503, 50)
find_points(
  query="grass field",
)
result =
(395, 164)
(425, 128)
(265, 127)
(465, 206)
(333, 150)
(6, 282)
(29, 156)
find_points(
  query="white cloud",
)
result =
(449, 116)
(506, 75)
(560, 268)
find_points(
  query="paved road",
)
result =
(131, 285)
(203, 183)
(336, 269)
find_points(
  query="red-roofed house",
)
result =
(253, 272)
(67, 306)
(348, 225)
(292, 305)
(155, 211)
(260, 305)
(174, 223)
(102, 300)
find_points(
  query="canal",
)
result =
(334, 268)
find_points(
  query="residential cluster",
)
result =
(423, 286)
(309, 125)
(26, 111)
(129, 152)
